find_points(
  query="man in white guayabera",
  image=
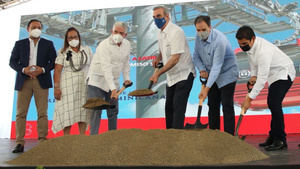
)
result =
(175, 54)
(111, 58)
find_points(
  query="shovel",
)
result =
(242, 113)
(148, 91)
(198, 124)
(99, 103)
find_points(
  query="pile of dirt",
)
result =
(135, 147)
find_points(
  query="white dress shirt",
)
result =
(108, 63)
(172, 41)
(33, 53)
(268, 63)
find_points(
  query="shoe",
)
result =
(18, 149)
(277, 145)
(268, 142)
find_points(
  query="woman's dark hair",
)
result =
(245, 32)
(66, 43)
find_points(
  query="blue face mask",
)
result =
(160, 22)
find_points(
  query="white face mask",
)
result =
(117, 38)
(203, 35)
(74, 43)
(35, 33)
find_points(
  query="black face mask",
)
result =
(245, 48)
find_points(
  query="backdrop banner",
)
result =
(271, 21)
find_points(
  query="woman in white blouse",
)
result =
(70, 71)
(268, 64)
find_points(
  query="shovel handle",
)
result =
(124, 87)
(127, 85)
(243, 111)
(201, 100)
(249, 86)
(150, 85)
(157, 67)
(203, 81)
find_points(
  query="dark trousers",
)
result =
(277, 92)
(222, 95)
(176, 101)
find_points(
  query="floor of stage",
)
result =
(289, 158)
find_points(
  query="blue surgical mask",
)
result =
(160, 22)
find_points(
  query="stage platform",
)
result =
(285, 159)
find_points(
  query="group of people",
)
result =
(78, 75)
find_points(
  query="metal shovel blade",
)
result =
(142, 92)
(97, 103)
(197, 124)
(104, 107)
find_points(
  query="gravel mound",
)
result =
(136, 147)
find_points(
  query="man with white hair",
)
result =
(111, 58)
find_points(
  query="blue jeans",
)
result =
(112, 114)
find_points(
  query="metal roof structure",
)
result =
(96, 24)
(4, 4)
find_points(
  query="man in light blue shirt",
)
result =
(216, 62)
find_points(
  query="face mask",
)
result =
(35, 33)
(203, 35)
(160, 22)
(245, 48)
(117, 38)
(74, 43)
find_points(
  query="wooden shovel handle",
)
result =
(158, 66)
(202, 100)
(243, 111)
(124, 87)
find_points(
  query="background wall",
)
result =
(133, 112)
(9, 33)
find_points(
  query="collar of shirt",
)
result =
(209, 39)
(32, 41)
(210, 36)
(167, 28)
(253, 49)
(81, 48)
